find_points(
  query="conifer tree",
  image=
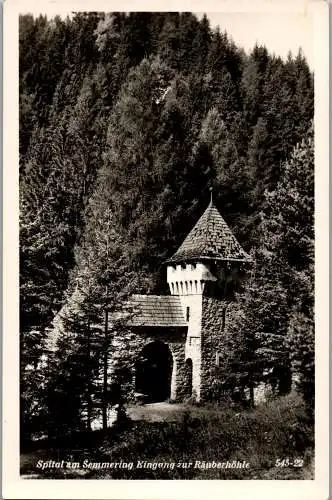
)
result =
(126, 120)
(291, 228)
(282, 297)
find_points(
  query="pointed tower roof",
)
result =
(210, 239)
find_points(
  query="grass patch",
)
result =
(277, 430)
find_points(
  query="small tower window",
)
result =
(188, 313)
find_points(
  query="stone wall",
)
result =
(212, 342)
(129, 346)
(178, 386)
(220, 320)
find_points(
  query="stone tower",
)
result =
(203, 273)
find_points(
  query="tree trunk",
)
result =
(89, 377)
(105, 402)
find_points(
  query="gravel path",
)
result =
(157, 412)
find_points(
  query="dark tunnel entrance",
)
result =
(154, 372)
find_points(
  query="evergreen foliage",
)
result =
(126, 120)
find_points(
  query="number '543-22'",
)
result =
(288, 462)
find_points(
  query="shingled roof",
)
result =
(157, 310)
(210, 239)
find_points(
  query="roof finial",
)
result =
(211, 191)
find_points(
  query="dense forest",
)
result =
(126, 121)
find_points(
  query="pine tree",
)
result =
(125, 122)
(291, 226)
(201, 44)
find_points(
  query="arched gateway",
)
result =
(161, 331)
(154, 372)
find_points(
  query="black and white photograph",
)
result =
(166, 212)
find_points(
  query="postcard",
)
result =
(165, 249)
